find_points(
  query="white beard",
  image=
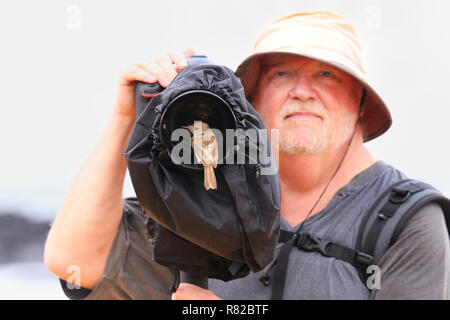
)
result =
(314, 137)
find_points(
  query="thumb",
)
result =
(187, 291)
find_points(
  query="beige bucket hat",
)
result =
(326, 37)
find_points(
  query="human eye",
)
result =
(326, 74)
(279, 74)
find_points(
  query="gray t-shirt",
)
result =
(417, 266)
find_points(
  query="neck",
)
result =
(303, 177)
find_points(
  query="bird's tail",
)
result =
(210, 178)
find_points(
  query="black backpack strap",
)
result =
(389, 214)
(309, 242)
(379, 229)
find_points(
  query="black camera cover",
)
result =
(222, 233)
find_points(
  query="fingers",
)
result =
(135, 73)
(179, 60)
(166, 67)
(188, 291)
(156, 68)
(162, 69)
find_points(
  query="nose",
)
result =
(302, 88)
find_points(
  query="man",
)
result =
(305, 78)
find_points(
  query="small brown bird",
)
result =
(206, 151)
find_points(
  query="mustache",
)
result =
(313, 108)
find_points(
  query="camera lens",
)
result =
(196, 105)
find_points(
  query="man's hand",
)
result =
(162, 69)
(187, 291)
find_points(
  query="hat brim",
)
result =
(376, 118)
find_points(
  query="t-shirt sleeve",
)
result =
(130, 271)
(417, 266)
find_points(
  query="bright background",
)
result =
(60, 62)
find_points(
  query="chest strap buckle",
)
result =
(309, 242)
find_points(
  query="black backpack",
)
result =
(379, 230)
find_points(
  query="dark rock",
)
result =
(21, 239)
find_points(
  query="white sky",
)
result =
(60, 62)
